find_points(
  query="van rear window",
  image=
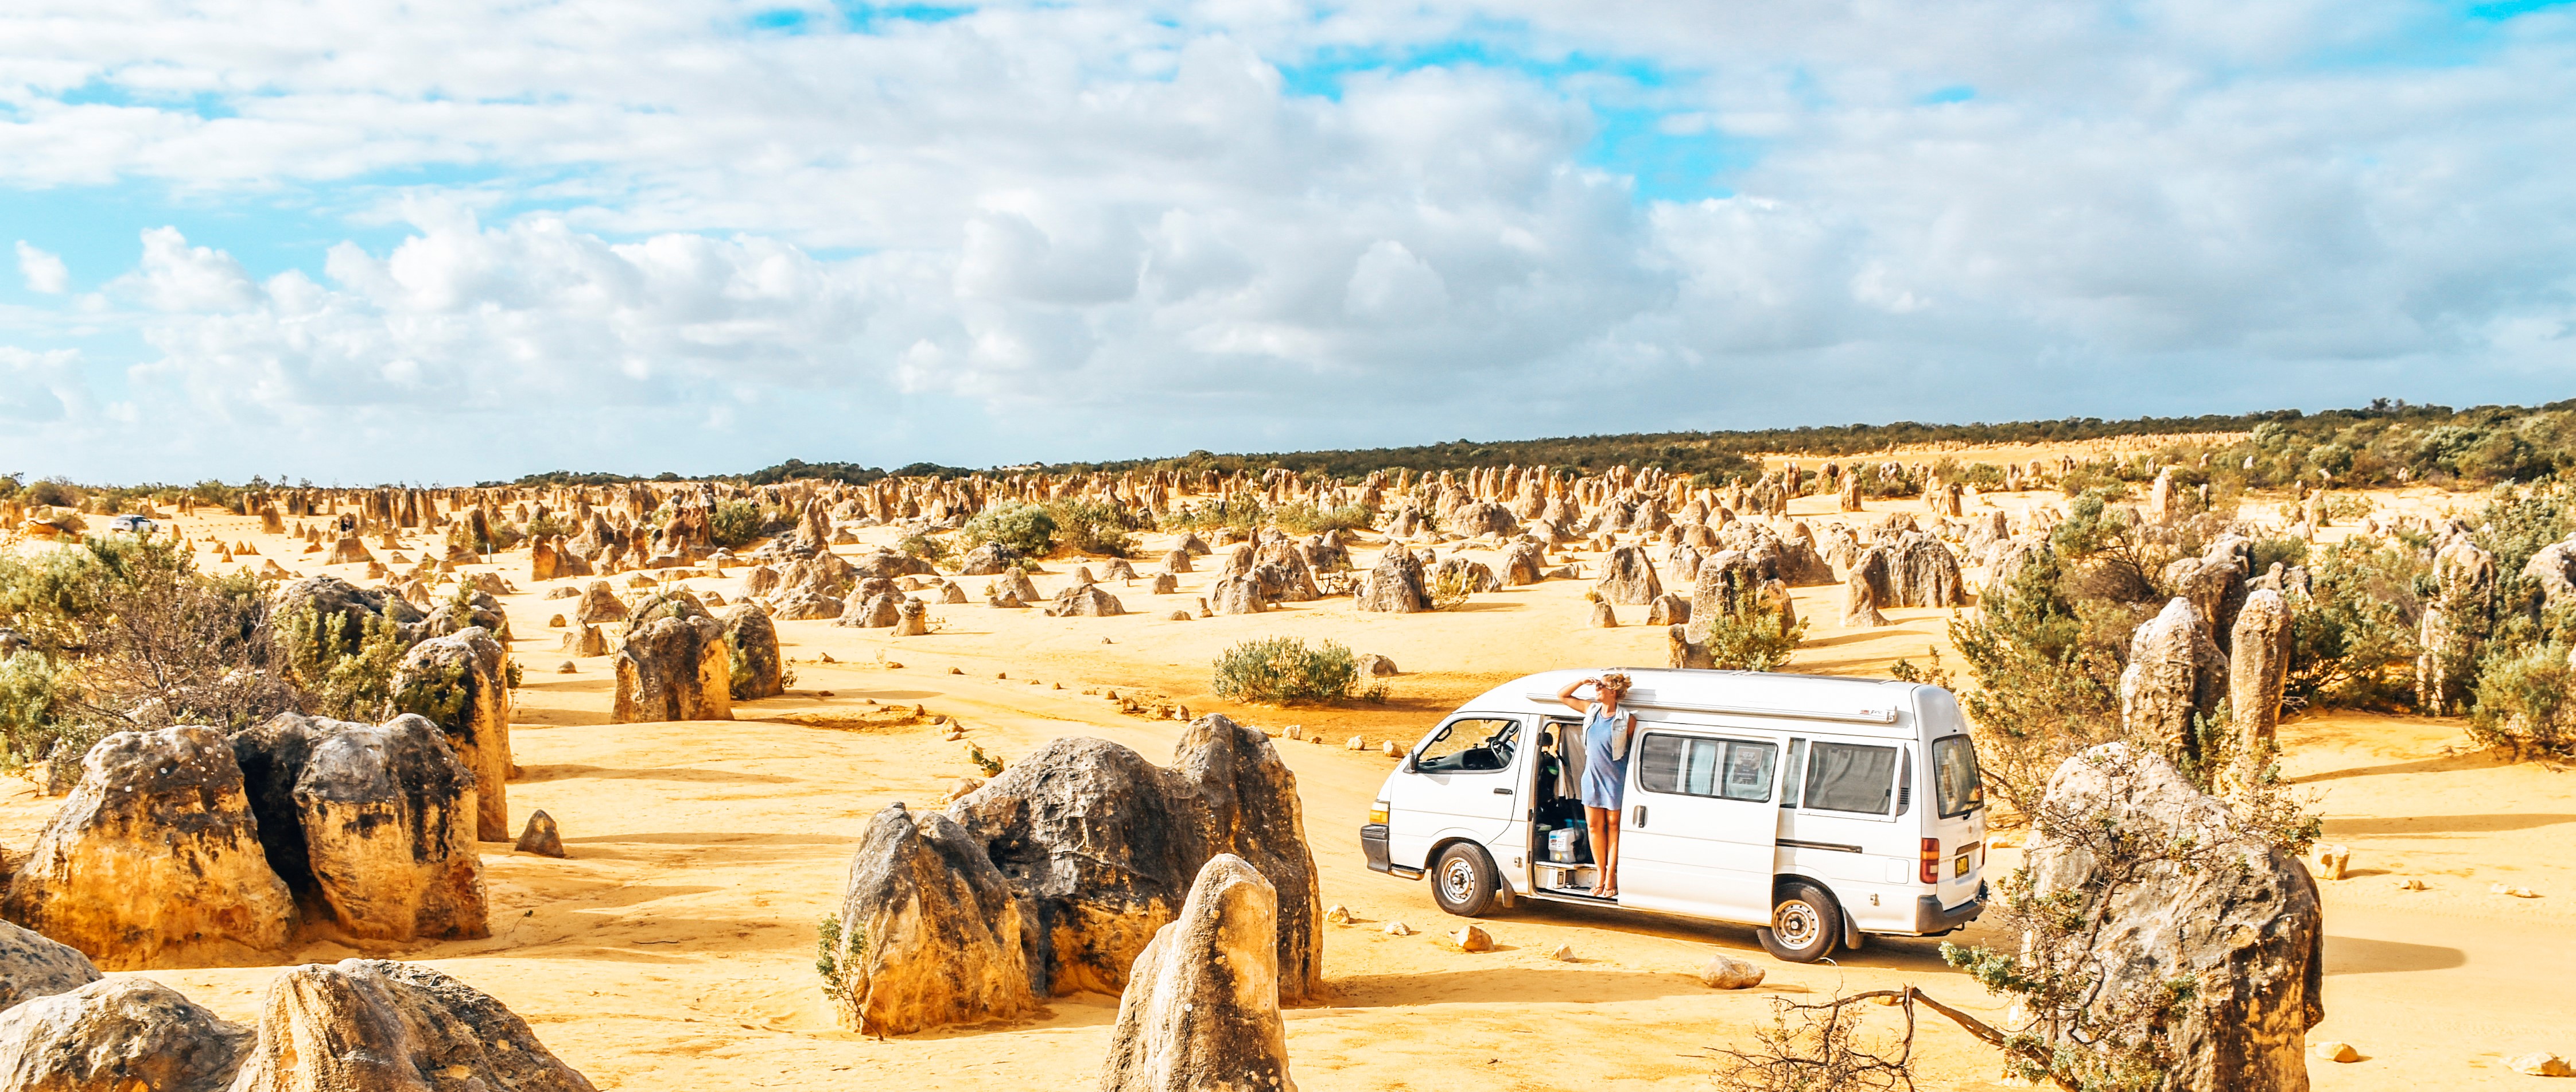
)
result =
(1955, 776)
(1850, 777)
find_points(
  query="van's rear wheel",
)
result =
(1805, 925)
(1463, 882)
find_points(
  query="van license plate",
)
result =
(1959, 867)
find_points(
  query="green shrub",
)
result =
(2353, 637)
(2043, 691)
(1091, 527)
(2526, 701)
(1023, 527)
(924, 547)
(1755, 636)
(735, 523)
(344, 675)
(32, 697)
(1307, 519)
(1281, 670)
(1450, 588)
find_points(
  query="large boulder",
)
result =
(930, 932)
(2464, 579)
(1105, 845)
(1483, 518)
(1629, 577)
(1285, 576)
(2175, 673)
(475, 609)
(1523, 563)
(1238, 593)
(1395, 585)
(990, 559)
(371, 1025)
(599, 603)
(755, 667)
(388, 817)
(1085, 601)
(123, 1034)
(1201, 1008)
(460, 682)
(154, 859)
(330, 596)
(675, 668)
(2552, 569)
(34, 965)
(2235, 916)
(1866, 588)
(1922, 572)
(2257, 669)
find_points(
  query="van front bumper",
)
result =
(1373, 844)
(1931, 919)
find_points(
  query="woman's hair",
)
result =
(1616, 680)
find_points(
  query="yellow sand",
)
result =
(675, 949)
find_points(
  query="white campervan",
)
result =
(1819, 809)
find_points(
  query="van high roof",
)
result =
(1744, 693)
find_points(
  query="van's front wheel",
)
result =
(1463, 882)
(1805, 925)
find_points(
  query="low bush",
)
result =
(344, 672)
(1756, 636)
(1090, 527)
(2353, 636)
(735, 523)
(2526, 701)
(1307, 519)
(924, 547)
(1280, 670)
(1024, 527)
(1450, 588)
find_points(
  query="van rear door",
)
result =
(1697, 836)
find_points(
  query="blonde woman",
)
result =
(1605, 770)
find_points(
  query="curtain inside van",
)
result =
(1850, 777)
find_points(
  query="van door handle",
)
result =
(1640, 820)
(1502, 792)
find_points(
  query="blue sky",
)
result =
(472, 240)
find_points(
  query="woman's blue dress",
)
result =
(1604, 778)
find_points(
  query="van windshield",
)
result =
(1469, 745)
(1955, 776)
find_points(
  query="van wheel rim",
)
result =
(1458, 881)
(1797, 924)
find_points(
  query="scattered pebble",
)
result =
(2335, 1052)
(566, 668)
(2332, 861)
(2517, 892)
(1358, 743)
(1398, 929)
(825, 658)
(1564, 953)
(1473, 939)
(2410, 884)
(956, 671)
(2541, 1063)
(1338, 915)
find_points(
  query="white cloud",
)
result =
(37, 388)
(1068, 231)
(43, 271)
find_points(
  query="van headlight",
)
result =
(1377, 813)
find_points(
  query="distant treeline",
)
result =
(2379, 444)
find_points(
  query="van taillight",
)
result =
(1932, 860)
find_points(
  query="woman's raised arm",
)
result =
(1567, 695)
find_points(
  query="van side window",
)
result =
(1850, 777)
(1730, 769)
(1470, 745)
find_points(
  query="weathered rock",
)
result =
(154, 859)
(912, 619)
(1395, 585)
(1201, 1009)
(2175, 673)
(930, 932)
(804, 605)
(674, 668)
(2257, 669)
(1472, 938)
(1603, 617)
(460, 683)
(1085, 601)
(2248, 931)
(123, 1034)
(599, 603)
(1921, 572)
(1628, 577)
(586, 641)
(1238, 593)
(372, 1025)
(2464, 576)
(2540, 1064)
(1462, 573)
(754, 667)
(1483, 518)
(1865, 588)
(989, 559)
(34, 965)
(1374, 666)
(1106, 844)
(2552, 569)
(1285, 576)
(1014, 584)
(541, 837)
(388, 817)
(1523, 563)
(1725, 972)
(1669, 609)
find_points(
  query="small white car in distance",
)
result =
(1817, 809)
